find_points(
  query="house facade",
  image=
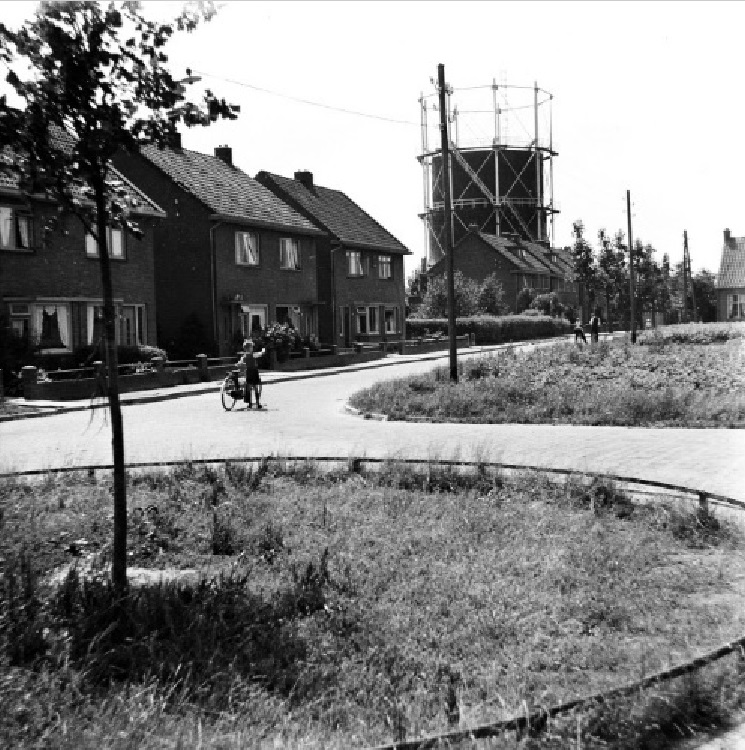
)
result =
(360, 282)
(50, 279)
(731, 279)
(230, 256)
(517, 264)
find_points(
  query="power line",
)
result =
(306, 101)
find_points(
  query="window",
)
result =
(545, 282)
(367, 319)
(291, 314)
(15, 229)
(52, 326)
(289, 254)
(247, 248)
(384, 267)
(391, 319)
(131, 320)
(736, 305)
(96, 325)
(20, 319)
(354, 263)
(253, 319)
(114, 242)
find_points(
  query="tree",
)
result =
(524, 299)
(467, 297)
(491, 297)
(548, 304)
(610, 275)
(584, 268)
(92, 81)
(705, 294)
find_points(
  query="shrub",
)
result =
(490, 329)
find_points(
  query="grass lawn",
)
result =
(346, 610)
(672, 379)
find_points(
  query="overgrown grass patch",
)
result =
(669, 384)
(351, 608)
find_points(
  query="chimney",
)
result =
(726, 237)
(225, 153)
(305, 178)
(176, 141)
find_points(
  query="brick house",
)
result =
(230, 257)
(731, 279)
(50, 282)
(361, 284)
(517, 264)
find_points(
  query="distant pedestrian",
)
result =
(579, 332)
(595, 329)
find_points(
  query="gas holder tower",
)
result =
(501, 164)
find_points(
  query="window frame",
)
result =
(370, 316)
(92, 242)
(736, 300)
(394, 311)
(385, 262)
(37, 326)
(15, 216)
(294, 242)
(239, 249)
(355, 254)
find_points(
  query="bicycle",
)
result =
(232, 389)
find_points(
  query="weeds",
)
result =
(427, 599)
(662, 383)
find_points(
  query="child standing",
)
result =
(253, 379)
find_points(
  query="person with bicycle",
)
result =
(247, 363)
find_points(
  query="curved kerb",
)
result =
(535, 719)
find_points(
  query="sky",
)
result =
(647, 97)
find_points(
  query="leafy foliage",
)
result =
(471, 297)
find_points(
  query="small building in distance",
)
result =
(517, 264)
(731, 279)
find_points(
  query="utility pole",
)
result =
(685, 276)
(631, 268)
(448, 219)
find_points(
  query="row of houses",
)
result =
(221, 256)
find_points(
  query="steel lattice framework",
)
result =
(501, 168)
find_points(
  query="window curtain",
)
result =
(96, 327)
(22, 233)
(53, 324)
(250, 254)
(6, 218)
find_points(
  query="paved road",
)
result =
(306, 417)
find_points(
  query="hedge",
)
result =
(490, 329)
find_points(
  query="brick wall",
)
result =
(182, 250)
(59, 268)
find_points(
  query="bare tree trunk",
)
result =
(119, 558)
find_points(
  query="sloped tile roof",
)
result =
(532, 261)
(732, 266)
(338, 213)
(225, 189)
(139, 203)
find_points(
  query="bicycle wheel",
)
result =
(227, 392)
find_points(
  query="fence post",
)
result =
(203, 367)
(2, 390)
(28, 379)
(472, 339)
(306, 352)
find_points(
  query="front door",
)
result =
(253, 319)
